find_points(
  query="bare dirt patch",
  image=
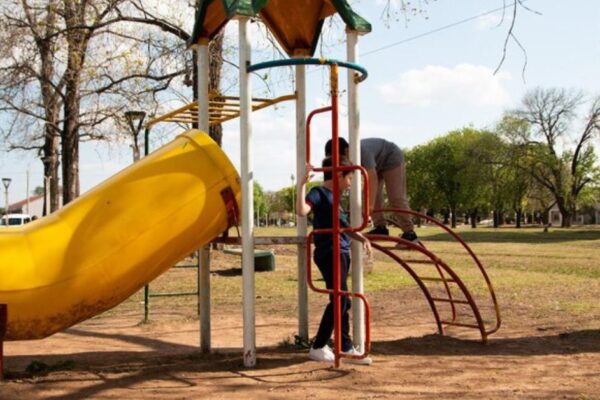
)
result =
(548, 347)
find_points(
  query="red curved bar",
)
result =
(466, 247)
(308, 121)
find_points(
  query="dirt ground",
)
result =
(114, 356)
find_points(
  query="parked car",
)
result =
(15, 219)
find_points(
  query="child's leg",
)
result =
(346, 303)
(325, 265)
(326, 326)
(395, 186)
(378, 218)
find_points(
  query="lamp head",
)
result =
(133, 116)
(6, 182)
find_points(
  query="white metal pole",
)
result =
(247, 195)
(27, 192)
(358, 319)
(301, 225)
(204, 254)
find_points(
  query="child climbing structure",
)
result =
(297, 28)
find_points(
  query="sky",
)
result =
(428, 74)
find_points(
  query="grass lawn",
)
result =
(556, 273)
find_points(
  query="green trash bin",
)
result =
(264, 260)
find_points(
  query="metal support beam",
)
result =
(301, 225)
(358, 309)
(204, 253)
(247, 219)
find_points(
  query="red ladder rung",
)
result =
(434, 279)
(420, 261)
(397, 248)
(450, 300)
(459, 324)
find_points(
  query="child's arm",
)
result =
(361, 238)
(302, 207)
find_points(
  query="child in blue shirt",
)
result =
(319, 201)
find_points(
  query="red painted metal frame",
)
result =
(444, 270)
(336, 230)
(308, 122)
(3, 327)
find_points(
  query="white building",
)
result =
(33, 206)
(555, 217)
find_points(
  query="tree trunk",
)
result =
(77, 39)
(70, 139)
(446, 216)
(545, 218)
(474, 219)
(51, 101)
(453, 221)
(519, 216)
(215, 64)
(50, 157)
(70, 154)
(496, 218)
(564, 212)
(51, 187)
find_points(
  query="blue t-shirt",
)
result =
(321, 201)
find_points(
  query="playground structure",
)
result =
(297, 27)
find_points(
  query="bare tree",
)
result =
(550, 114)
(75, 57)
(32, 69)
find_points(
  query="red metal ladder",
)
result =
(336, 230)
(444, 290)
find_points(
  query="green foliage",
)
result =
(515, 168)
(260, 202)
(456, 171)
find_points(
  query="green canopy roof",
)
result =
(296, 24)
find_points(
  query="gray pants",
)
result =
(395, 187)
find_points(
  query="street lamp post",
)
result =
(293, 201)
(6, 183)
(133, 117)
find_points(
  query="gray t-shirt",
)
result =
(380, 154)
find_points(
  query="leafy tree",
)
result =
(420, 183)
(260, 202)
(564, 171)
(518, 181)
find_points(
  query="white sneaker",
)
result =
(324, 354)
(360, 361)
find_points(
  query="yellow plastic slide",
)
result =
(101, 248)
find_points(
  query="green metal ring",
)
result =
(310, 61)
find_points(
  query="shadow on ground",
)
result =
(585, 341)
(162, 361)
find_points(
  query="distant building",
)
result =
(36, 206)
(590, 215)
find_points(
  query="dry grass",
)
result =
(556, 272)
